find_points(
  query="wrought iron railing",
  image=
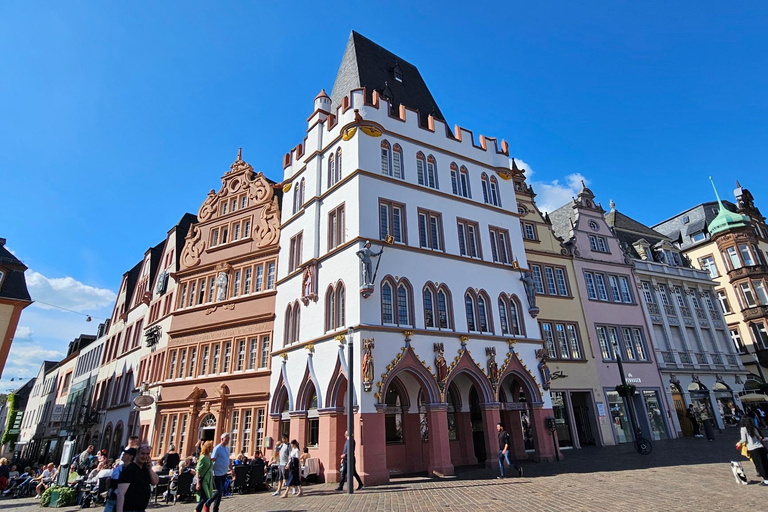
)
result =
(654, 309)
(701, 314)
(669, 309)
(702, 358)
(685, 311)
(668, 357)
(685, 358)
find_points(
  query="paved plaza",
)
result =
(686, 474)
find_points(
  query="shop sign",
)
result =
(633, 380)
(601, 409)
(58, 411)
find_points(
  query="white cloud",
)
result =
(67, 292)
(551, 195)
(23, 364)
(23, 332)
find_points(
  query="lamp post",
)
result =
(350, 412)
(642, 445)
(759, 368)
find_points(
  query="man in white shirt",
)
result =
(282, 461)
(221, 464)
(46, 479)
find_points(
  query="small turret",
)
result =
(323, 102)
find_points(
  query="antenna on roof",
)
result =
(716, 194)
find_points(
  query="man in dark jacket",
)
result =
(505, 453)
(345, 466)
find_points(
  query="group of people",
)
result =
(13, 482)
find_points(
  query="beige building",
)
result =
(731, 242)
(575, 387)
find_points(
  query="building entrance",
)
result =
(478, 430)
(584, 418)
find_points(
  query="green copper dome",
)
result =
(726, 219)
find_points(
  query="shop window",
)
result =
(655, 415)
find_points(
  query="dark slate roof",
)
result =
(49, 365)
(619, 221)
(699, 217)
(131, 277)
(561, 220)
(366, 64)
(696, 227)
(14, 285)
(182, 228)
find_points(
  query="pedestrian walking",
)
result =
(125, 459)
(505, 454)
(345, 465)
(134, 485)
(283, 458)
(204, 484)
(756, 447)
(691, 415)
(293, 471)
(220, 458)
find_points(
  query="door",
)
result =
(478, 432)
(583, 418)
(685, 424)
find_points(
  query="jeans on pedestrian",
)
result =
(508, 457)
(110, 505)
(218, 482)
(203, 500)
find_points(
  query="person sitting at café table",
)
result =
(46, 478)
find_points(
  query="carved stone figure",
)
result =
(307, 282)
(366, 263)
(221, 282)
(441, 367)
(368, 369)
(530, 289)
(493, 369)
(546, 376)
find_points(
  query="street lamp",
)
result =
(642, 445)
(350, 412)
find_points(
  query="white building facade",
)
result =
(445, 336)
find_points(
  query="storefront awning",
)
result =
(754, 397)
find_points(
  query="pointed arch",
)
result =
(431, 176)
(398, 171)
(495, 194)
(386, 158)
(467, 366)
(470, 308)
(404, 302)
(429, 306)
(337, 386)
(307, 387)
(330, 308)
(338, 165)
(513, 367)
(421, 167)
(486, 184)
(411, 364)
(516, 314)
(280, 396)
(485, 312)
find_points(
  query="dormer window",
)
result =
(698, 237)
(398, 72)
(686, 219)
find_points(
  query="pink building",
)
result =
(615, 319)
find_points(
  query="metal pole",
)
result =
(350, 413)
(759, 368)
(630, 403)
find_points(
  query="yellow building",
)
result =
(577, 396)
(731, 242)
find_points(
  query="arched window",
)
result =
(296, 322)
(340, 305)
(397, 162)
(393, 419)
(330, 309)
(495, 195)
(296, 198)
(469, 306)
(509, 315)
(421, 167)
(403, 304)
(331, 171)
(483, 314)
(436, 307)
(431, 177)
(334, 306)
(444, 308)
(386, 162)
(423, 423)
(396, 302)
(453, 408)
(460, 181)
(486, 188)
(429, 308)
(287, 335)
(386, 303)
(338, 165)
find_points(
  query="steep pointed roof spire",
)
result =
(240, 155)
(738, 185)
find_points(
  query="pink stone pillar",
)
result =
(513, 424)
(491, 417)
(440, 448)
(372, 451)
(464, 433)
(274, 430)
(545, 450)
(413, 444)
(330, 449)
(298, 427)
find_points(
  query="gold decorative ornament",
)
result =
(349, 133)
(371, 130)
(287, 187)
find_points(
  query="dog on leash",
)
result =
(738, 473)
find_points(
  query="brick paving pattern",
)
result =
(685, 474)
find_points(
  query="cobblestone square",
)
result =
(684, 474)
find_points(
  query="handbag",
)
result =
(745, 452)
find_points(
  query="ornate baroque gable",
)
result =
(260, 193)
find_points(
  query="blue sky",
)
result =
(116, 118)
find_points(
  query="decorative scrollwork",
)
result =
(209, 206)
(193, 248)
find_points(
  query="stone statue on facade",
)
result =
(365, 254)
(530, 288)
(368, 368)
(221, 282)
(441, 367)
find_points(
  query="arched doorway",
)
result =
(107, 438)
(207, 431)
(679, 401)
(478, 427)
(725, 404)
(116, 441)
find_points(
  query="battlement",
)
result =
(355, 109)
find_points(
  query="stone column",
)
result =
(298, 426)
(491, 417)
(543, 438)
(439, 445)
(413, 445)
(372, 452)
(513, 424)
(332, 436)
(466, 443)
(274, 429)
